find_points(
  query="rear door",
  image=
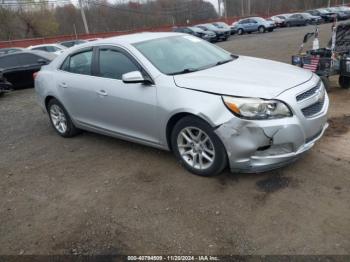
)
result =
(76, 86)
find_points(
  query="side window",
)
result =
(79, 63)
(43, 48)
(52, 49)
(9, 61)
(114, 64)
(65, 65)
(28, 59)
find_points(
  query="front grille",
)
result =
(313, 109)
(309, 92)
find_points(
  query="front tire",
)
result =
(240, 31)
(60, 119)
(262, 29)
(197, 147)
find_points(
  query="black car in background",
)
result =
(327, 16)
(71, 43)
(221, 34)
(341, 15)
(296, 20)
(312, 19)
(18, 68)
(5, 51)
(195, 31)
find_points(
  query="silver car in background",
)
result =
(177, 92)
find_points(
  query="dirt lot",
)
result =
(97, 195)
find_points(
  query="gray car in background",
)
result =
(177, 92)
(253, 24)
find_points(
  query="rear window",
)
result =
(79, 63)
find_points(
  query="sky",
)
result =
(214, 2)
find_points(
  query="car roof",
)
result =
(73, 40)
(133, 38)
(34, 46)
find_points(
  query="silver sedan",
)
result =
(177, 92)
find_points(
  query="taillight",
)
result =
(35, 75)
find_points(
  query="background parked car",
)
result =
(223, 25)
(51, 48)
(280, 21)
(323, 13)
(272, 22)
(195, 31)
(5, 86)
(5, 51)
(341, 15)
(18, 68)
(312, 19)
(221, 34)
(72, 43)
(296, 20)
(344, 9)
(253, 24)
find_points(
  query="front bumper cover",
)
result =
(260, 153)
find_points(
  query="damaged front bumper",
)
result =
(250, 150)
(259, 146)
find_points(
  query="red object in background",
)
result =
(34, 75)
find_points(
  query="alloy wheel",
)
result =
(196, 148)
(58, 118)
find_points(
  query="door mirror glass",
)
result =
(133, 77)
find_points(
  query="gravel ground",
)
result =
(98, 195)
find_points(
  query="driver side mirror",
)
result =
(134, 78)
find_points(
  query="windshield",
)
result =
(196, 29)
(221, 25)
(210, 27)
(182, 54)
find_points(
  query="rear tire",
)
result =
(197, 147)
(60, 119)
(344, 82)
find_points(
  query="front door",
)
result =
(127, 109)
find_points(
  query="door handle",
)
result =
(102, 93)
(63, 85)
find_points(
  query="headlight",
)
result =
(256, 109)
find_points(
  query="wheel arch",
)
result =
(176, 118)
(47, 100)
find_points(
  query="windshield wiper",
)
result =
(185, 71)
(224, 61)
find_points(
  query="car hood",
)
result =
(247, 77)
